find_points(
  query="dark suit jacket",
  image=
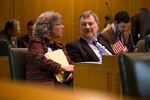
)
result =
(23, 42)
(39, 69)
(80, 51)
(147, 43)
(139, 24)
(5, 36)
(109, 36)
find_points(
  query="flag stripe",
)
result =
(118, 47)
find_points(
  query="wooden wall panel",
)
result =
(30, 9)
(137, 4)
(4, 12)
(25, 10)
(4, 68)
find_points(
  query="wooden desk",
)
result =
(21, 91)
(4, 68)
(102, 77)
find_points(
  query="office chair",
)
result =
(135, 74)
(3, 48)
(17, 60)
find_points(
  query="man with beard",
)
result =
(87, 48)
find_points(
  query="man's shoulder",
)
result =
(75, 42)
(3, 35)
(23, 37)
(104, 35)
(78, 44)
(107, 31)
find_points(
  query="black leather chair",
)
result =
(17, 60)
(135, 74)
(3, 48)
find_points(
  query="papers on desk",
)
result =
(90, 62)
(59, 57)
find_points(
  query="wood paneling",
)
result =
(4, 12)
(25, 10)
(31, 9)
(4, 68)
(103, 77)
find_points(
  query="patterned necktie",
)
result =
(119, 37)
(96, 45)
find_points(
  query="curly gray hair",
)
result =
(45, 22)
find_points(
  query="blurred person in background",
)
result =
(23, 41)
(9, 34)
(117, 33)
(139, 24)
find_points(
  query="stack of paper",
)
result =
(59, 57)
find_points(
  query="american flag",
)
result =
(118, 47)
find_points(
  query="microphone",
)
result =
(117, 29)
(109, 10)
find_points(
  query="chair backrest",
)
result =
(135, 74)
(17, 59)
(3, 48)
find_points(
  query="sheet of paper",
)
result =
(58, 56)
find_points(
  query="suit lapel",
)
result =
(123, 35)
(88, 49)
(105, 45)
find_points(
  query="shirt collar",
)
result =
(114, 27)
(89, 41)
